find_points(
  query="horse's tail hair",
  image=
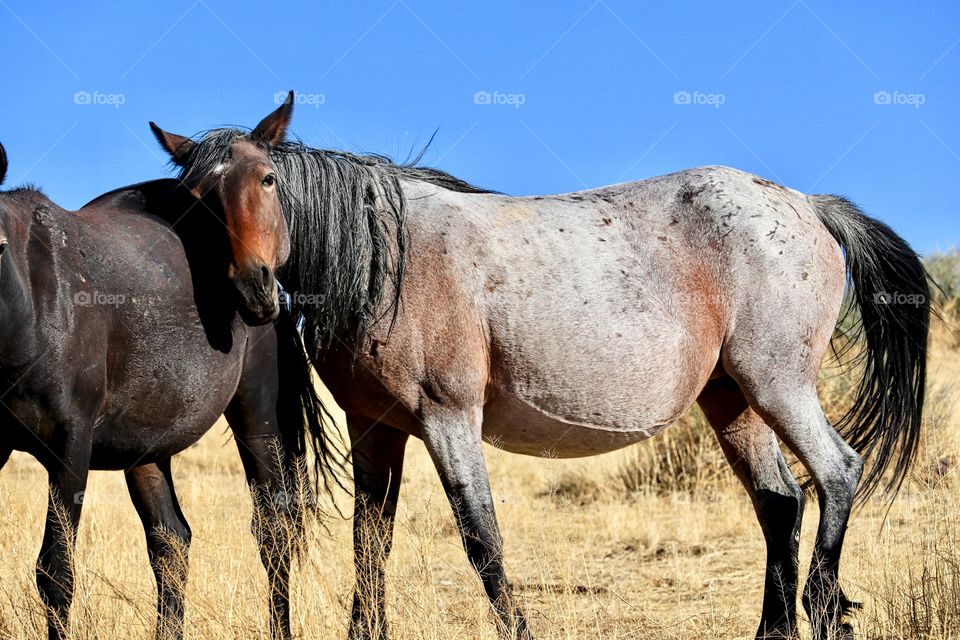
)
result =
(891, 292)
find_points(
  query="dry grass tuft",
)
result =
(684, 458)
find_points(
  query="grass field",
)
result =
(657, 542)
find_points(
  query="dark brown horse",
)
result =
(122, 345)
(576, 324)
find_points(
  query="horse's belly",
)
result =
(164, 409)
(591, 386)
(514, 425)
(137, 437)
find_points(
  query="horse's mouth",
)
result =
(257, 305)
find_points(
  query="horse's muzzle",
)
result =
(258, 292)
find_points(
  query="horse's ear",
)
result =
(179, 147)
(3, 163)
(273, 129)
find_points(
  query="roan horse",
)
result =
(575, 324)
(122, 345)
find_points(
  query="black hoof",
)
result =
(846, 631)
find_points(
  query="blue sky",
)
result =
(856, 98)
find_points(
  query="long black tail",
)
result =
(892, 294)
(303, 419)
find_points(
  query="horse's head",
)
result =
(243, 178)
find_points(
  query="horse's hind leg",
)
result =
(168, 541)
(835, 468)
(776, 367)
(751, 449)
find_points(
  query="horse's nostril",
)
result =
(265, 275)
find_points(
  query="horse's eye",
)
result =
(228, 154)
(269, 180)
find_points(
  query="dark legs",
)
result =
(377, 468)
(835, 468)
(454, 442)
(168, 541)
(777, 374)
(272, 473)
(276, 508)
(455, 448)
(67, 469)
(836, 477)
(752, 450)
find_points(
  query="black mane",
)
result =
(346, 213)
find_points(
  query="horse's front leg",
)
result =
(168, 541)
(377, 452)
(67, 467)
(453, 438)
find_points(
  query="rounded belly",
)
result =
(513, 425)
(161, 414)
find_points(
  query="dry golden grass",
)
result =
(597, 548)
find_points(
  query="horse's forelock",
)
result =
(207, 154)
